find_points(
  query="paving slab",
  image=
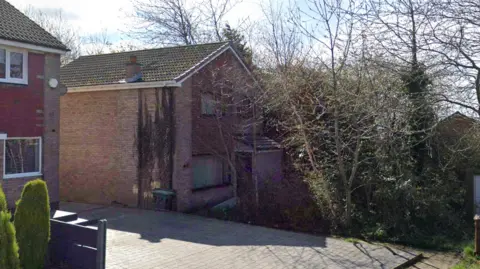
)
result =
(435, 259)
(143, 239)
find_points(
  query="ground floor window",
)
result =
(210, 171)
(22, 157)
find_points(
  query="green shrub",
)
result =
(8, 243)
(32, 222)
(3, 201)
(469, 251)
(470, 260)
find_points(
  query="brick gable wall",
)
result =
(227, 75)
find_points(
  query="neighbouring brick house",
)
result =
(172, 118)
(452, 130)
(29, 104)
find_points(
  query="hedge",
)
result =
(3, 201)
(8, 244)
(32, 223)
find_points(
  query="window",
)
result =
(3, 62)
(13, 66)
(210, 171)
(22, 157)
(208, 104)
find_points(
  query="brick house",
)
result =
(29, 104)
(170, 118)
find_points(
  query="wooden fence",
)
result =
(77, 243)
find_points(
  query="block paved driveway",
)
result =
(142, 239)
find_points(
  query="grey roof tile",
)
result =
(15, 26)
(160, 64)
(262, 142)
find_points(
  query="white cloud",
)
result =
(89, 16)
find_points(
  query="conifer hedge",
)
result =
(3, 201)
(8, 242)
(32, 224)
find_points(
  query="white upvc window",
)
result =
(22, 157)
(13, 65)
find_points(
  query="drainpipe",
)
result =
(171, 134)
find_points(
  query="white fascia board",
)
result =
(125, 86)
(27, 46)
(3, 136)
(217, 53)
(194, 69)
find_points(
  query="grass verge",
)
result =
(469, 260)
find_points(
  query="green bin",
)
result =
(163, 199)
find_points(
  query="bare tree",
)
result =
(280, 41)
(97, 43)
(337, 44)
(178, 22)
(166, 22)
(54, 22)
(454, 38)
(215, 11)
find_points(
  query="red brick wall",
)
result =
(33, 110)
(21, 106)
(207, 129)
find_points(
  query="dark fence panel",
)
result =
(75, 245)
(64, 231)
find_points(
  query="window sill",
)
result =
(214, 115)
(24, 175)
(11, 83)
(211, 187)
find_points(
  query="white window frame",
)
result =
(23, 175)
(7, 78)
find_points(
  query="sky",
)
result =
(95, 16)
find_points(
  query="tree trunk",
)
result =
(348, 207)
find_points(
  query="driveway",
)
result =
(142, 239)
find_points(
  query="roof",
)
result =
(262, 143)
(459, 115)
(15, 26)
(161, 64)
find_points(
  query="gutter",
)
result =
(125, 86)
(29, 46)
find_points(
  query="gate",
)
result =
(77, 243)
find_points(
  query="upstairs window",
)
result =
(13, 66)
(208, 104)
(215, 105)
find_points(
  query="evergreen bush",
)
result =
(3, 201)
(8, 243)
(32, 223)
